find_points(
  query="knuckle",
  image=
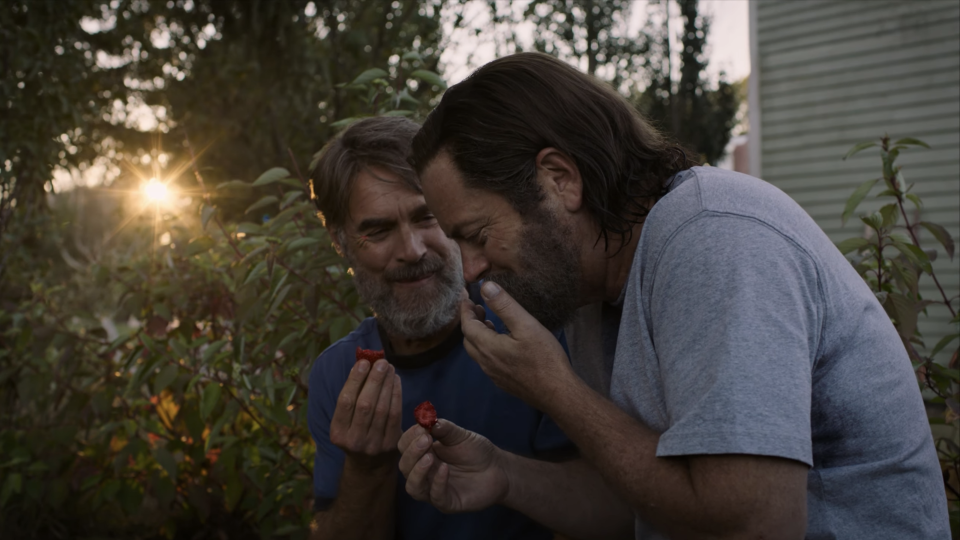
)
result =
(364, 407)
(346, 400)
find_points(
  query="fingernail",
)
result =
(363, 367)
(382, 366)
(422, 442)
(490, 290)
(425, 461)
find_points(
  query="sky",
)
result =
(728, 41)
(727, 50)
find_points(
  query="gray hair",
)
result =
(383, 141)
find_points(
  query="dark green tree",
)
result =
(698, 115)
(592, 31)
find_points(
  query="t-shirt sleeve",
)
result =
(735, 315)
(326, 380)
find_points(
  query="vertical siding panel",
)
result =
(834, 73)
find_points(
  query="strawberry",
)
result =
(369, 355)
(426, 415)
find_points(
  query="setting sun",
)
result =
(156, 191)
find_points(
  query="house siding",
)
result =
(830, 74)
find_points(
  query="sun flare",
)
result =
(156, 191)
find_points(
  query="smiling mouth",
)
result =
(416, 279)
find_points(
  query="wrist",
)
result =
(506, 464)
(379, 465)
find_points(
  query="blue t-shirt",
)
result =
(461, 393)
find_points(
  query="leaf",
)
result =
(11, 485)
(211, 396)
(206, 213)
(234, 491)
(852, 244)
(942, 344)
(258, 271)
(411, 55)
(264, 201)
(429, 77)
(906, 314)
(941, 235)
(249, 256)
(199, 245)
(398, 112)
(856, 198)
(345, 121)
(858, 148)
(915, 199)
(213, 349)
(301, 243)
(369, 75)
(271, 176)
(234, 184)
(165, 459)
(874, 221)
(277, 301)
(914, 255)
(164, 378)
(910, 141)
(289, 198)
(889, 214)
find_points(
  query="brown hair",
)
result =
(381, 141)
(495, 122)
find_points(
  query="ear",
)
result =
(559, 174)
(337, 236)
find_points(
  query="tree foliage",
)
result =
(698, 115)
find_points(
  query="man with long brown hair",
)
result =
(744, 381)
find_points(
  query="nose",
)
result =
(475, 265)
(412, 248)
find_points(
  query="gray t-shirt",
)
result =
(745, 331)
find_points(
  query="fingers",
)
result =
(449, 434)
(413, 445)
(381, 411)
(347, 400)
(365, 407)
(501, 303)
(421, 476)
(393, 428)
(439, 496)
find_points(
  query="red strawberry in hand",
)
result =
(426, 415)
(369, 355)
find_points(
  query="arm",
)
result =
(719, 496)
(366, 426)
(568, 497)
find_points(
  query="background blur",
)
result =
(165, 283)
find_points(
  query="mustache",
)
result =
(413, 272)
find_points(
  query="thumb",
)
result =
(500, 302)
(449, 434)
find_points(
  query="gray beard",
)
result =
(548, 286)
(420, 314)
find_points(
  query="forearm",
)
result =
(676, 495)
(364, 506)
(569, 497)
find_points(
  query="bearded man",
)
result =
(738, 378)
(410, 275)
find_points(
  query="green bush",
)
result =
(190, 420)
(892, 261)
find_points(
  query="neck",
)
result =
(405, 346)
(605, 270)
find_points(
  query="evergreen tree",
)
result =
(698, 116)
